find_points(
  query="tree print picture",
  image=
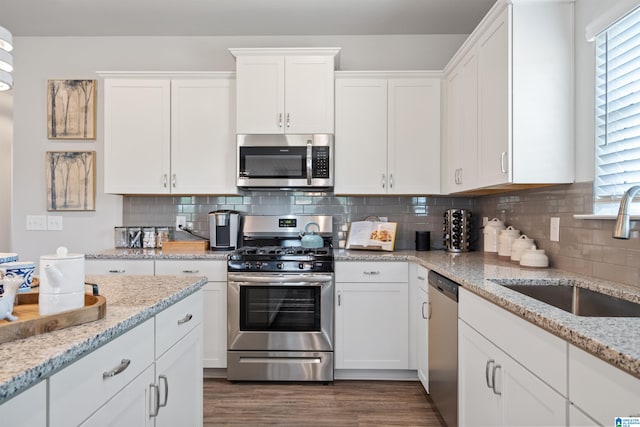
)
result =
(71, 180)
(71, 109)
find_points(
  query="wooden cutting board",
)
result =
(30, 322)
(185, 246)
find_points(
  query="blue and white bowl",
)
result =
(22, 269)
(8, 257)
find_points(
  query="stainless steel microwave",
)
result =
(285, 161)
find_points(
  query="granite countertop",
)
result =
(612, 339)
(130, 301)
(156, 254)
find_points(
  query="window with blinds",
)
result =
(617, 110)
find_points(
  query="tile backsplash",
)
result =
(412, 213)
(585, 246)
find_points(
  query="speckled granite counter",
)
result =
(613, 339)
(130, 301)
(155, 254)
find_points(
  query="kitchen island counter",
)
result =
(130, 301)
(152, 254)
(615, 340)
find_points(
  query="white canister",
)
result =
(61, 274)
(519, 245)
(504, 241)
(490, 233)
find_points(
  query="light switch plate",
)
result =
(54, 222)
(554, 232)
(36, 222)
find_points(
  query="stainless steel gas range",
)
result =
(280, 300)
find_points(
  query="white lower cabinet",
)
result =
(372, 321)
(150, 375)
(28, 409)
(511, 373)
(495, 390)
(214, 296)
(130, 407)
(119, 267)
(600, 390)
(418, 283)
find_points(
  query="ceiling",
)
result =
(240, 17)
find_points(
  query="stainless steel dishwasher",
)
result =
(443, 346)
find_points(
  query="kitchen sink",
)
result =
(567, 296)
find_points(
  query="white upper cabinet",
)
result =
(387, 133)
(285, 90)
(509, 100)
(170, 136)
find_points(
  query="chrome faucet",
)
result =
(621, 230)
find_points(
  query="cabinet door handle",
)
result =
(339, 299)
(190, 271)
(124, 364)
(185, 319)
(280, 120)
(173, 180)
(390, 181)
(164, 180)
(493, 380)
(384, 183)
(486, 372)
(503, 155)
(422, 310)
(163, 378)
(371, 273)
(288, 121)
(115, 271)
(155, 407)
(429, 311)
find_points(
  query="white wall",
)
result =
(6, 139)
(38, 59)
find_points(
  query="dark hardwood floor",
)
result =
(342, 403)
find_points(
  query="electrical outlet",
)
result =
(181, 221)
(554, 232)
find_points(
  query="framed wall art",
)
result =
(71, 109)
(71, 180)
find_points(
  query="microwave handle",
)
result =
(309, 161)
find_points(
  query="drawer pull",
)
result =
(493, 380)
(372, 273)
(117, 271)
(166, 389)
(190, 271)
(185, 319)
(156, 401)
(421, 278)
(124, 364)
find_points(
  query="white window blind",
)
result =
(617, 106)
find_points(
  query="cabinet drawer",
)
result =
(216, 271)
(119, 267)
(601, 390)
(176, 321)
(80, 389)
(367, 272)
(517, 337)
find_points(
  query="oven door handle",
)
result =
(289, 278)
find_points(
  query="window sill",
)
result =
(634, 217)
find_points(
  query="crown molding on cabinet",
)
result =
(385, 74)
(289, 51)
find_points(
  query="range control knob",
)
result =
(301, 266)
(280, 266)
(247, 265)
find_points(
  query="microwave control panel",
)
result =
(320, 162)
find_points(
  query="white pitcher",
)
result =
(61, 282)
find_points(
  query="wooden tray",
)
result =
(185, 246)
(30, 322)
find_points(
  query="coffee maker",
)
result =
(224, 226)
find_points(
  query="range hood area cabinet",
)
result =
(508, 99)
(387, 133)
(285, 90)
(169, 135)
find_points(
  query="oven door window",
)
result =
(273, 162)
(280, 308)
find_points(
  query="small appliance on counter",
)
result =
(457, 230)
(224, 226)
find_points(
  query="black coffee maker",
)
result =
(224, 227)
